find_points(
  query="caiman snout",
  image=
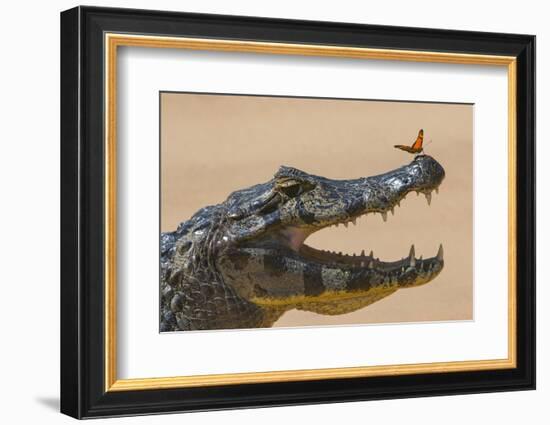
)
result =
(431, 173)
(384, 192)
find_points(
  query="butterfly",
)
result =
(416, 146)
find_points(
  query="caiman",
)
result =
(243, 263)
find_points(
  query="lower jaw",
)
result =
(345, 261)
(325, 297)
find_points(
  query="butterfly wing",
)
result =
(417, 145)
(404, 148)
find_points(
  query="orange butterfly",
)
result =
(416, 146)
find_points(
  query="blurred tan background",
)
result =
(212, 145)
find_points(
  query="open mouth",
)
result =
(409, 270)
(368, 261)
(284, 257)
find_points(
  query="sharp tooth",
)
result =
(437, 190)
(412, 260)
(363, 253)
(340, 253)
(399, 203)
(354, 254)
(385, 216)
(392, 212)
(346, 225)
(428, 198)
(371, 264)
(362, 264)
(354, 221)
(371, 255)
(440, 253)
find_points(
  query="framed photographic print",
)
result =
(262, 212)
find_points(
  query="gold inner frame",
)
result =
(113, 41)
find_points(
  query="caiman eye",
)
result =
(293, 188)
(291, 191)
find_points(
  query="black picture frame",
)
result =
(83, 392)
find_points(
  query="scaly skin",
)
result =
(243, 263)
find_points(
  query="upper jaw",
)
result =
(382, 193)
(376, 194)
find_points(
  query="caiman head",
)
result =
(261, 251)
